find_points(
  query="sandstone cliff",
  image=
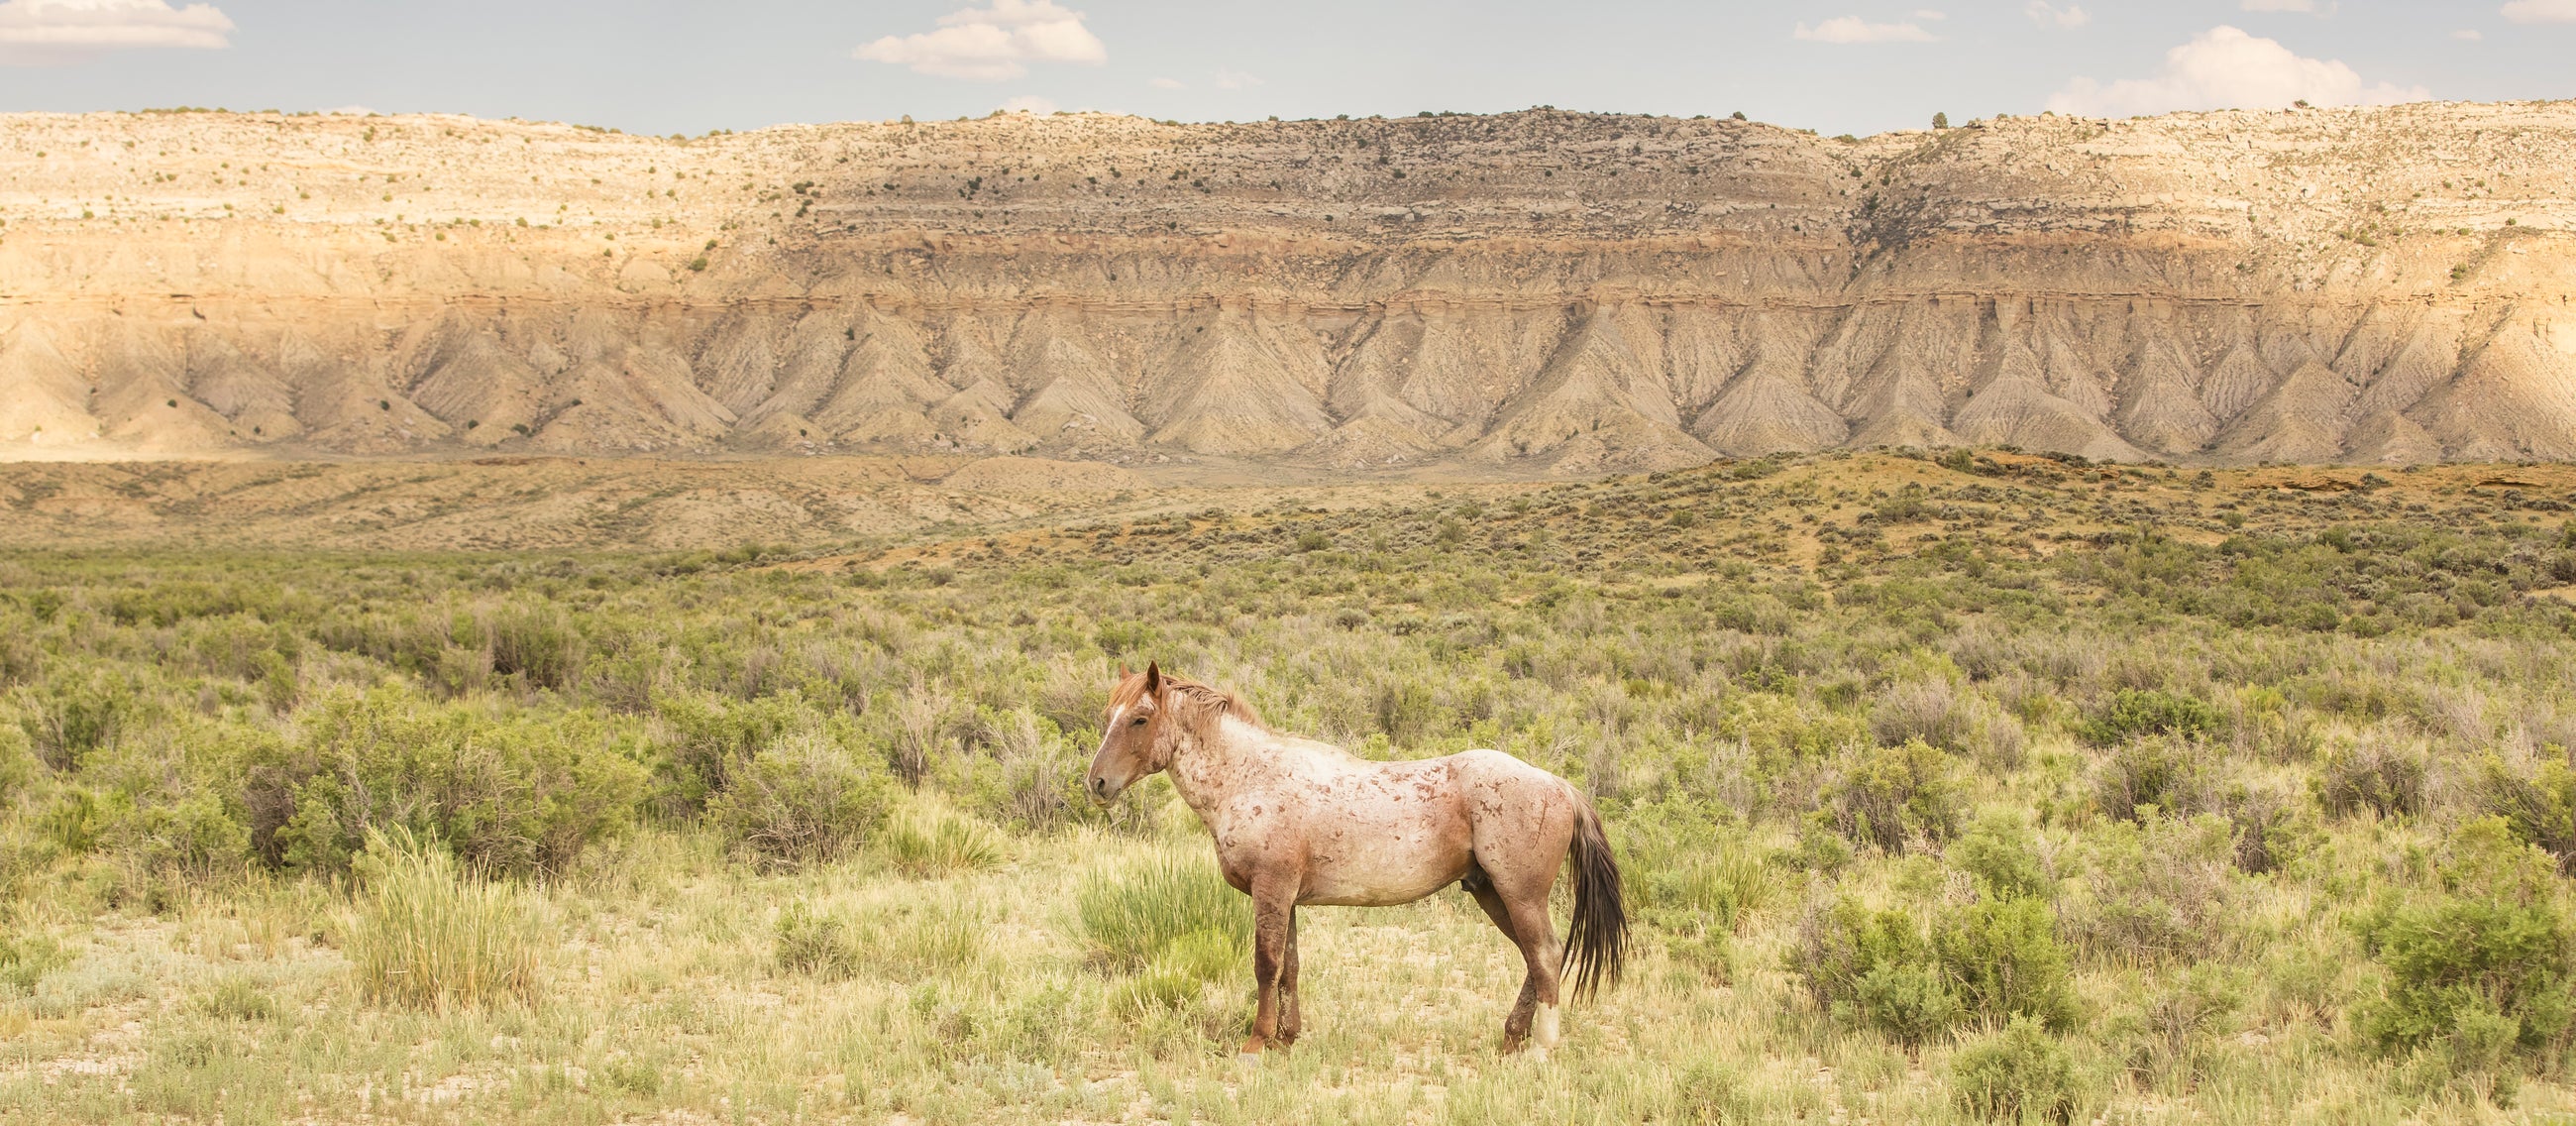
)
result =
(1539, 292)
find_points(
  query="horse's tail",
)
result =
(1597, 943)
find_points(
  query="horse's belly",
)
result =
(1382, 872)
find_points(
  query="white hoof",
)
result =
(1248, 1059)
(1546, 1029)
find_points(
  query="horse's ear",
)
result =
(1122, 670)
(1153, 677)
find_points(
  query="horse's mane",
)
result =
(1200, 708)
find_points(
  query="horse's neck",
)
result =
(1207, 771)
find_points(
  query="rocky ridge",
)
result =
(1531, 293)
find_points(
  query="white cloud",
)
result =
(1235, 80)
(1930, 14)
(1853, 29)
(1028, 103)
(2469, 33)
(1167, 84)
(2541, 11)
(39, 32)
(2225, 68)
(993, 44)
(2073, 15)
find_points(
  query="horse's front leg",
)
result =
(1274, 907)
(1289, 1020)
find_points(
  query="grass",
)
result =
(929, 843)
(424, 933)
(794, 836)
(1131, 916)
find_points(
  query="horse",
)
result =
(1302, 823)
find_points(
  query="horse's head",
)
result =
(1131, 743)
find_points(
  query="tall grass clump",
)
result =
(1131, 914)
(928, 844)
(424, 933)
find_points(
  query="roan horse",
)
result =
(1299, 822)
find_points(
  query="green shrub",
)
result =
(2385, 781)
(2271, 828)
(2021, 1074)
(508, 793)
(1129, 915)
(75, 716)
(2539, 805)
(2133, 712)
(1872, 968)
(424, 934)
(1894, 794)
(2157, 773)
(2481, 974)
(698, 736)
(2002, 958)
(1996, 852)
(26, 957)
(805, 800)
(536, 643)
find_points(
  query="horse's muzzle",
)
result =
(1100, 791)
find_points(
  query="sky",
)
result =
(1836, 66)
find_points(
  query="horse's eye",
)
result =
(1139, 722)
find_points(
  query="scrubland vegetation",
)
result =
(1998, 797)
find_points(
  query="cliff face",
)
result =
(1526, 293)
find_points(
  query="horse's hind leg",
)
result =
(1536, 934)
(1516, 1027)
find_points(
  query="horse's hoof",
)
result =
(1538, 1053)
(1248, 1059)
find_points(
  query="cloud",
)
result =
(1235, 80)
(2073, 15)
(1028, 103)
(993, 44)
(1853, 29)
(2469, 33)
(1167, 83)
(2541, 11)
(1930, 14)
(2225, 68)
(43, 32)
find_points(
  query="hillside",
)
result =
(1514, 295)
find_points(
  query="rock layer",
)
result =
(1540, 292)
